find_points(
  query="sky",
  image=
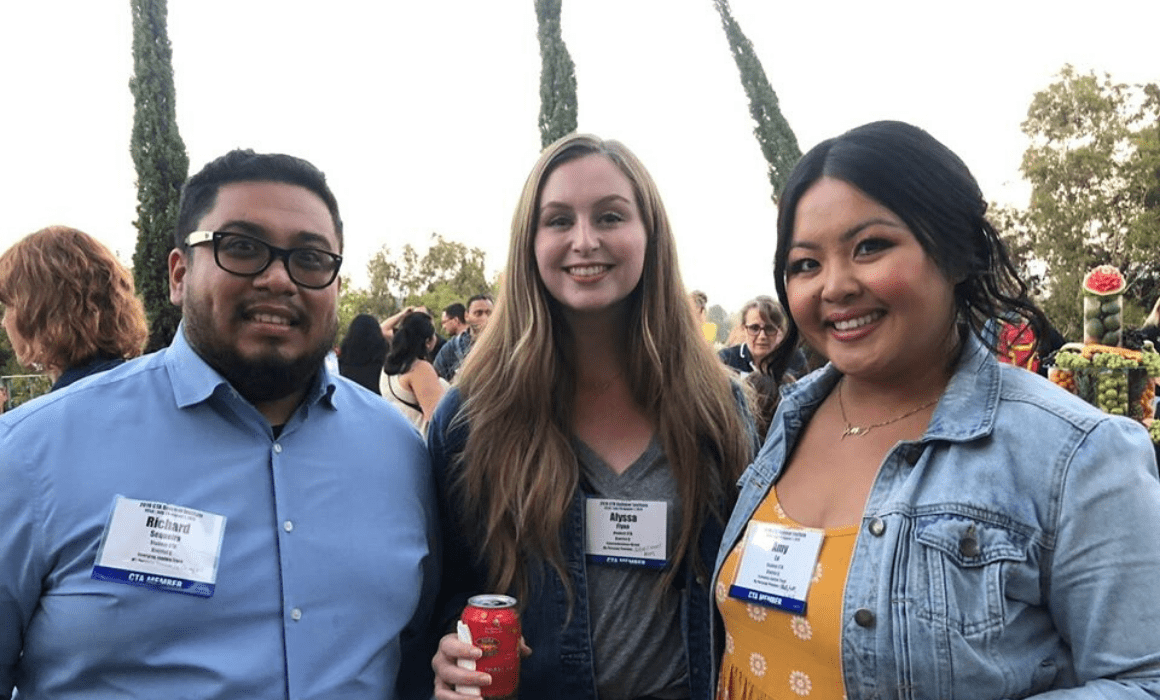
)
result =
(423, 114)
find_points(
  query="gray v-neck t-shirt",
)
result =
(637, 636)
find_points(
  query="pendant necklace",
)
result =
(859, 430)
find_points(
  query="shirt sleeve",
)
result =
(1105, 571)
(21, 548)
(445, 358)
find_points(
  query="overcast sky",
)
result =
(423, 114)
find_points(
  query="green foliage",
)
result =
(1094, 168)
(161, 163)
(778, 143)
(558, 107)
(447, 272)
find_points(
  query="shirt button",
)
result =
(864, 618)
(969, 545)
(288, 526)
(278, 448)
(877, 527)
(296, 614)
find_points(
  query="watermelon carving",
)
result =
(1104, 280)
(1103, 288)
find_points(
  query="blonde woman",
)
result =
(592, 401)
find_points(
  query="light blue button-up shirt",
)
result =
(326, 556)
(1012, 551)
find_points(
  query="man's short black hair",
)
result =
(457, 311)
(479, 297)
(243, 165)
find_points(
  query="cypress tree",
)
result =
(774, 135)
(557, 76)
(161, 163)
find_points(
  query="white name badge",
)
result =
(634, 533)
(161, 546)
(777, 566)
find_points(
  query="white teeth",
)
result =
(588, 271)
(852, 323)
(269, 318)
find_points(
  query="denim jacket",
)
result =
(561, 664)
(1013, 550)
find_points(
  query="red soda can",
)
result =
(494, 625)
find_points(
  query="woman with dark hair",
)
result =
(408, 379)
(69, 305)
(361, 354)
(922, 520)
(592, 401)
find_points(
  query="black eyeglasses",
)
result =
(246, 256)
(757, 328)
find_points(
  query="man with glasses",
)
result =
(452, 355)
(224, 518)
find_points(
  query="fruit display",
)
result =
(1103, 289)
(1116, 380)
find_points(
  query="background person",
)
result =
(216, 519)
(566, 407)
(763, 323)
(407, 379)
(361, 354)
(69, 305)
(453, 320)
(984, 533)
(452, 354)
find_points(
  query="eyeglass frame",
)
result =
(199, 237)
(769, 329)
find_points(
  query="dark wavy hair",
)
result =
(925, 184)
(364, 342)
(409, 343)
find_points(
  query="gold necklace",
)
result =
(859, 430)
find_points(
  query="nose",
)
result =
(276, 278)
(585, 237)
(839, 282)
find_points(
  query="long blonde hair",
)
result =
(519, 470)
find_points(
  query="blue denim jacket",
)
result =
(1013, 550)
(561, 664)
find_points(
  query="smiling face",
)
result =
(861, 288)
(590, 238)
(265, 334)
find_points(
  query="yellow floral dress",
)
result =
(772, 654)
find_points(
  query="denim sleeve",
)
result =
(1105, 574)
(445, 359)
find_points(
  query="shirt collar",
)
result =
(194, 381)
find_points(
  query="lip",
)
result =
(271, 318)
(854, 325)
(589, 272)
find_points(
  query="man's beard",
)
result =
(262, 379)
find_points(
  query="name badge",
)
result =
(777, 566)
(633, 533)
(161, 546)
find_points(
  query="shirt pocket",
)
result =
(969, 565)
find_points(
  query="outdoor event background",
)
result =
(423, 115)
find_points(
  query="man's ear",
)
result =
(178, 267)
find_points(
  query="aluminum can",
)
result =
(495, 628)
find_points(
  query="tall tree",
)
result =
(161, 162)
(1093, 164)
(557, 76)
(778, 143)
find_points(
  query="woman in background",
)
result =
(763, 325)
(592, 391)
(408, 378)
(69, 305)
(361, 354)
(923, 521)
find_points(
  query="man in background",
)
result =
(449, 359)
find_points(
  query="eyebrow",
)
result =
(602, 200)
(851, 232)
(249, 228)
